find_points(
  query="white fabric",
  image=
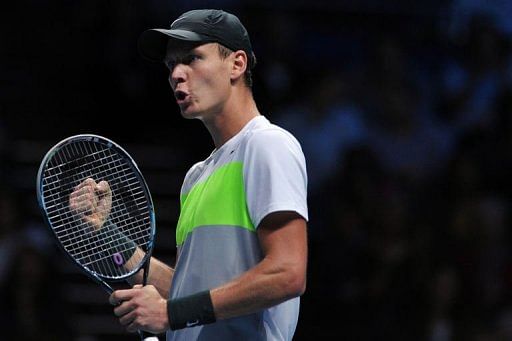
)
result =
(274, 171)
(274, 179)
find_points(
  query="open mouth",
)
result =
(180, 95)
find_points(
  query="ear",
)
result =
(239, 64)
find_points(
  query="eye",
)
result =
(190, 58)
(186, 60)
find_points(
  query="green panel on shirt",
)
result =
(219, 200)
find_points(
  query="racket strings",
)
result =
(71, 240)
(81, 172)
(130, 213)
(139, 200)
(102, 174)
(92, 248)
(68, 235)
(61, 218)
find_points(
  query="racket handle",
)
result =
(147, 337)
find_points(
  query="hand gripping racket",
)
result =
(105, 233)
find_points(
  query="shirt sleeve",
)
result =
(275, 175)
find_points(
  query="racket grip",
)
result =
(147, 337)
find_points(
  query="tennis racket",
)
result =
(99, 209)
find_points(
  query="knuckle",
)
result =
(138, 313)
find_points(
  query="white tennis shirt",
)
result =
(223, 200)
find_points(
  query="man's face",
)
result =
(200, 79)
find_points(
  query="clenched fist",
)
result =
(92, 202)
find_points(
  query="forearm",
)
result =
(160, 274)
(279, 276)
(263, 286)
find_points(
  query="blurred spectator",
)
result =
(31, 305)
(444, 286)
(472, 76)
(37, 308)
(462, 11)
(402, 130)
(9, 224)
(327, 123)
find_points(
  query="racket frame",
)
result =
(144, 263)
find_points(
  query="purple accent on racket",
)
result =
(67, 165)
(118, 259)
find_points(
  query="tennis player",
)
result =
(241, 235)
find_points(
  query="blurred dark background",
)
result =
(403, 110)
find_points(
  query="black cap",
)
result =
(198, 26)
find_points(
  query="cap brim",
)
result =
(152, 43)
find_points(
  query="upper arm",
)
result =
(275, 177)
(275, 181)
(283, 241)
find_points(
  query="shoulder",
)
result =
(270, 146)
(270, 137)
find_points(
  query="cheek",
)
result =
(222, 79)
(215, 85)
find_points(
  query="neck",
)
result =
(235, 114)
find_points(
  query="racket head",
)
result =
(65, 166)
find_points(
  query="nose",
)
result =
(177, 75)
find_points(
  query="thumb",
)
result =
(104, 199)
(113, 300)
(138, 286)
(103, 187)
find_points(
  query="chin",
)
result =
(190, 114)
